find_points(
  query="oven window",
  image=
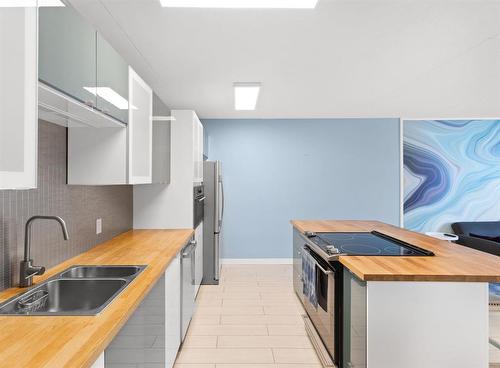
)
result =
(322, 289)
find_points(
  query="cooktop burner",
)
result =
(365, 244)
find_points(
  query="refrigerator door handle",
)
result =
(222, 198)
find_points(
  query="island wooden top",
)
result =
(77, 341)
(452, 262)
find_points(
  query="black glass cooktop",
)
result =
(366, 244)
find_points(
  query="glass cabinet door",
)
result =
(112, 81)
(140, 130)
(18, 96)
(67, 53)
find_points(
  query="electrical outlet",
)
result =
(98, 226)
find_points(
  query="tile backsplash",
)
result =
(79, 206)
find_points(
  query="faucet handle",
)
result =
(38, 270)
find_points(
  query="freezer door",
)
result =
(217, 249)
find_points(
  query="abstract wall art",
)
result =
(451, 172)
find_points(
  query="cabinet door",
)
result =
(67, 48)
(172, 311)
(161, 142)
(140, 128)
(298, 285)
(112, 81)
(197, 151)
(200, 151)
(18, 96)
(198, 273)
(354, 321)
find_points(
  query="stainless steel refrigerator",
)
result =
(212, 221)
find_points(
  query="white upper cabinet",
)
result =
(112, 156)
(197, 151)
(18, 97)
(140, 129)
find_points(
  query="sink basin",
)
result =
(65, 297)
(79, 290)
(100, 271)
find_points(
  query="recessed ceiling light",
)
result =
(29, 3)
(109, 95)
(246, 95)
(269, 4)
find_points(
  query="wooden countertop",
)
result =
(77, 341)
(452, 262)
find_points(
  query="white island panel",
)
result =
(427, 324)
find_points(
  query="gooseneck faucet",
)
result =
(27, 270)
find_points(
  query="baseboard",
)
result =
(257, 260)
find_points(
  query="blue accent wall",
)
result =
(277, 170)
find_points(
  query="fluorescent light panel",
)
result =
(264, 4)
(109, 95)
(246, 95)
(29, 3)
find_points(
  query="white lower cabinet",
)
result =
(151, 337)
(172, 311)
(198, 255)
(99, 363)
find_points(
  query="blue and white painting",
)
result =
(451, 172)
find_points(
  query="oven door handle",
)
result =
(326, 272)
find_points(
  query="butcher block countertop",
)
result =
(452, 262)
(77, 341)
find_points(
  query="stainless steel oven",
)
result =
(198, 205)
(326, 316)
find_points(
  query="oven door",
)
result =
(198, 205)
(324, 316)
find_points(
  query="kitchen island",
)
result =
(402, 311)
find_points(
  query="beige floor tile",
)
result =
(228, 330)
(300, 366)
(494, 355)
(197, 341)
(261, 302)
(246, 366)
(292, 342)
(230, 311)
(194, 366)
(284, 310)
(283, 295)
(287, 330)
(232, 295)
(261, 320)
(210, 302)
(205, 320)
(246, 356)
(295, 356)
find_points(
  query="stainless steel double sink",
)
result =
(79, 290)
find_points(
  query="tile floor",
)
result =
(251, 320)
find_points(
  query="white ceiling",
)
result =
(346, 58)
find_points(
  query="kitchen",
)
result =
(153, 189)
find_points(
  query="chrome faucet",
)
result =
(27, 270)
